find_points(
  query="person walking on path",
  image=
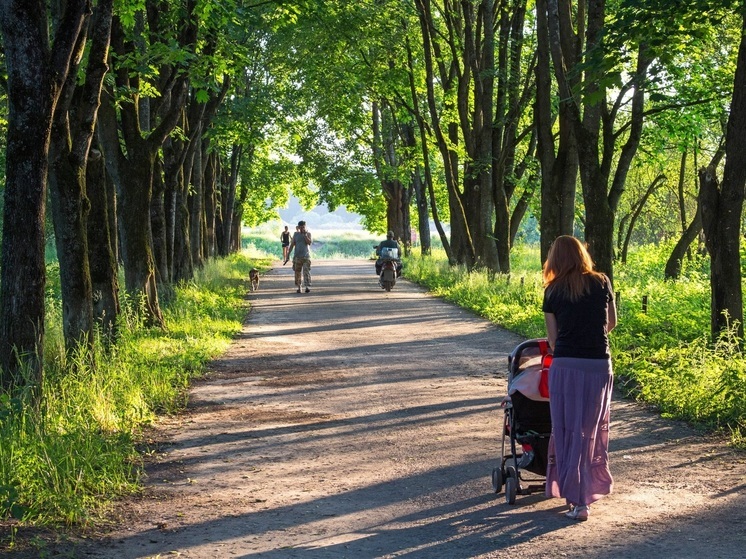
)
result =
(285, 241)
(579, 312)
(301, 243)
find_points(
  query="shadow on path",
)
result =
(354, 423)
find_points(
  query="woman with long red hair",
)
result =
(579, 312)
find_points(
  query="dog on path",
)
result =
(254, 278)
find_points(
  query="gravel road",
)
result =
(354, 423)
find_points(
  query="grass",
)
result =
(662, 355)
(63, 460)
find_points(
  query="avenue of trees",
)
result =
(148, 131)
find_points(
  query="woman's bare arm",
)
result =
(551, 322)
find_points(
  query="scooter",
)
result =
(388, 273)
(389, 261)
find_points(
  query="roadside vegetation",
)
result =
(662, 353)
(64, 457)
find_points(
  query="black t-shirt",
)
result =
(581, 325)
(285, 238)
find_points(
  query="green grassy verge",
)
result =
(65, 459)
(662, 355)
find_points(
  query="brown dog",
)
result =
(254, 277)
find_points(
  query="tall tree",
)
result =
(132, 168)
(72, 134)
(722, 209)
(463, 67)
(427, 172)
(559, 163)
(514, 92)
(388, 168)
(102, 244)
(673, 266)
(37, 69)
(594, 120)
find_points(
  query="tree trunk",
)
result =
(559, 171)
(501, 232)
(423, 214)
(673, 265)
(242, 193)
(183, 262)
(102, 248)
(142, 140)
(725, 278)
(36, 72)
(236, 233)
(510, 103)
(636, 213)
(133, 178)
(228, 201)
(72, 134)
(424, 221)
(394, 222)
(178, 160)
(158, 224)
(594, 125)
(172, 179)
(722, 210)
(211, 172)
(491, 244)
(69, 214)
(461, 245)
(200, 116)
(385, 135)
(406, 132)
(134, 197)
(196, 197)
(521, 207)
(680, 190)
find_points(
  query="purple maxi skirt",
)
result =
(578, 458)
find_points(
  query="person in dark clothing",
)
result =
(390, 242)
(285, 242)
(579, 313)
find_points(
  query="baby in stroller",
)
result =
(527, 423)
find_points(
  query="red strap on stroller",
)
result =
(546, 362)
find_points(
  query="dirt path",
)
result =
(353, 423)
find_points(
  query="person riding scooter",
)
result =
(389, 243)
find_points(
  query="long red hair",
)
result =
(569, 268)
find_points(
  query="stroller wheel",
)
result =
(497, 479)
(511, 488)
(511, 471)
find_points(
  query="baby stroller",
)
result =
(527, 423)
